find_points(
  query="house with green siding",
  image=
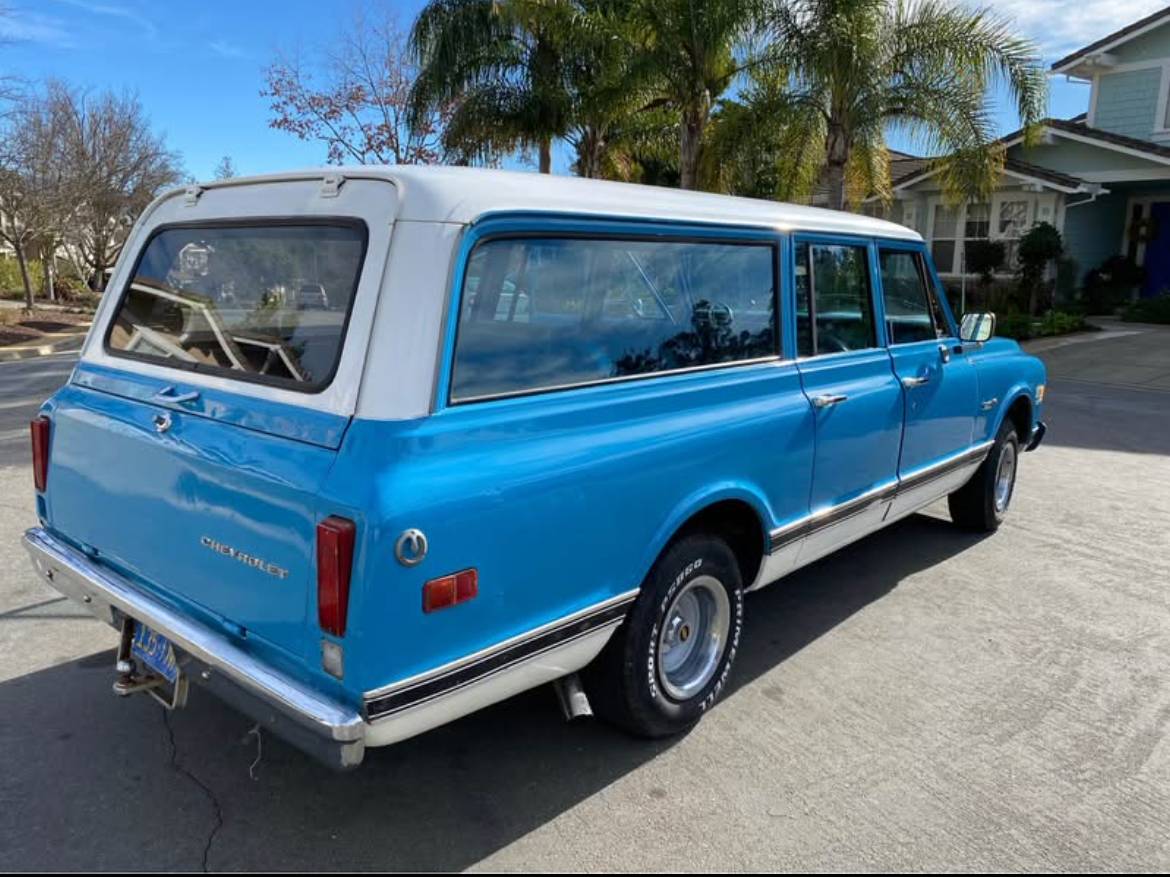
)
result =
(1102, 178)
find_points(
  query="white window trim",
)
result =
(1144, 202)
(993, 232)
(1161, 123)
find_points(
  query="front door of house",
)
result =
(1157, 262)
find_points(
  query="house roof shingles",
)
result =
(902, 171)
(1112, 38)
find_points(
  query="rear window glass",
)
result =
(263, 303)
(539, 313)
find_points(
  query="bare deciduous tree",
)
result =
(35, 194)
(226, 169)
(355, 99)
(115, 166)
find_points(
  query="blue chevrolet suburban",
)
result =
(529, 430)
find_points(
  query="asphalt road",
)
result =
(24, 385)
(925, 700)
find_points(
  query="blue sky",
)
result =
(197, 66)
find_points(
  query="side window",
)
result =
(540, 313)
(912, 312)
(834, 309)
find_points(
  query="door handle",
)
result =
(168, 394)
(829, 400)
(920, 381)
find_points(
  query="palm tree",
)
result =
(500, 64)
(861, 67)
(688, 52)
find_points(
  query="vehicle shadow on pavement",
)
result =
(91, 782)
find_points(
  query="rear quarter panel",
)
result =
(559, 501)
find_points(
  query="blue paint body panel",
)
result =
(559, 499)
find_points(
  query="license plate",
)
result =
(154, 650)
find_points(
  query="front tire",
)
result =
(982, 503)
(670, 660)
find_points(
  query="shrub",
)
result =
(1149, 310)
(1022, 327)
(1039, 246)
(1111, 284)
(984, 258)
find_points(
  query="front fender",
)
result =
(1006, 374)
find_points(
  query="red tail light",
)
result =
(450, 590)
(335, 539)
(40, 451)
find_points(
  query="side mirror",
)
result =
(977, 327)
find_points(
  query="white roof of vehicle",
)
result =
(463, 195)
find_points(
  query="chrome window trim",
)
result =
(822, 357)
(782, 537)
(602, 382)
(698, 233)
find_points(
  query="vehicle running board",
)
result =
(572, 697)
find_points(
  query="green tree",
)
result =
(1039, 246)
(687, 54)
(501, 65)
(861, 67)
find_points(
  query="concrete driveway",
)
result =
(925, 700)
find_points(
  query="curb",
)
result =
(57, 342)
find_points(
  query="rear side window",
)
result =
(834, 309)
(538, 312)
(264, 303)
(912, 313)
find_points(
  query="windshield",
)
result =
(259, 302)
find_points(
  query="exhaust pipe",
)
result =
(572, 697)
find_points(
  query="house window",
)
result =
(943, 234)
(976, 226)
(1013, 222)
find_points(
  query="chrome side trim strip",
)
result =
(422, 687)
(831, 515)
(818, 520)
(944, 467)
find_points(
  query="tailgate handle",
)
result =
(168, 394)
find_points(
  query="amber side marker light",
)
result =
(40, 429)
(450, 590)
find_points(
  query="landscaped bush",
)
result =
(1039, 246)
(1110, 285)
(1149, 310)
(67, 287)
(10, 283)
(1021, 327)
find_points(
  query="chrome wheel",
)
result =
(1005, 477)
(693, 637)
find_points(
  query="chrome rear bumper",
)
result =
(310, 720)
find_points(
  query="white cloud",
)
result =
(227, 49)
(1063, 26)
(117, 12)
(20, 26)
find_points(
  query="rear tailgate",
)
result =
(190, 445)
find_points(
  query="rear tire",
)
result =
(669, 661)
(982, 503)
